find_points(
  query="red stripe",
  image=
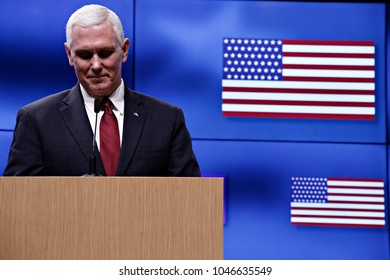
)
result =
(295, 90)
(338, 209)
(329, 79)
(328, 67)
(338, 55)
(338, 217)
(301, 103)
(338, 225)
(356, 179)
(355, 194)
(328, 42)
(356, 202)
(355, 187)
(298, 116)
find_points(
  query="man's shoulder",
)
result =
(50, 101)
(152, 101)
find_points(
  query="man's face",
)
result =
(97, 58)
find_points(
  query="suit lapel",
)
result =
(134, 120)
(76, 120)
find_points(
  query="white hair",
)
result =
(92, 15)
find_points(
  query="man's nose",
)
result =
(96, 63)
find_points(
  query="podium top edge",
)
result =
(116, 177)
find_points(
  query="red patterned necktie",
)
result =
(109, 139)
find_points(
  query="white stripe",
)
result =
(356, 198)
(297, 109)
(328, 61)
(338, 205)
(355, 183)
(338, 213)
(328, 73)
(337, 221)
(356, 191)
(328, 49)
(298, 85)
(297, 96)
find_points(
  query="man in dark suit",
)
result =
(54, 135)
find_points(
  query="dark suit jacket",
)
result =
(53, 137)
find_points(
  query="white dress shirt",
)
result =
(118, 100)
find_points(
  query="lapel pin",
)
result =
(136, 114)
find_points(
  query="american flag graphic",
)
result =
(347, 202)
(315, 79)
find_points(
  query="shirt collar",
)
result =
(117, 98)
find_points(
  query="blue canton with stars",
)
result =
(309, 190)
(252, 59)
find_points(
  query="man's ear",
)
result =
(125, 49)
(69, 54)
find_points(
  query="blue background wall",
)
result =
(177, 56)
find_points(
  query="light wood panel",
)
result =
(111, 218)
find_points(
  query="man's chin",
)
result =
(99, 91)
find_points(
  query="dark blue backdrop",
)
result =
(177, 56)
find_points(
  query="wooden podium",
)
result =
(111, 218)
